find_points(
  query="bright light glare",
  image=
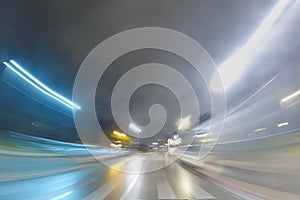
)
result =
(184, 123)
(282, 124)
(43, 86)
(265, 25)
(119, 134)
(231, 70)
(202, 135)
(36, 86)
(116, 145)
(208, 140)
(134, 128)
(290, 96)
(259, 130)
(154, 143)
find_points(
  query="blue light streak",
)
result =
(39, 85)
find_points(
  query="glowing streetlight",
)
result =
(184, 123)
(134, 128)
(119, 134)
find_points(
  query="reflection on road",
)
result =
(43, 172)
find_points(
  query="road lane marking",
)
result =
(164, 188)
(126, 193)
(102, 192)
(137, 163)
(198, 192)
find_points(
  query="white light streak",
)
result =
(290, 97)
(231, 70)
(259, 130)
(36, 86)
(265, 25)
(43, 86)
(202, 135)
(282, 124)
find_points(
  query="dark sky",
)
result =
(52, 38)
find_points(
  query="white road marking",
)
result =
(136, 165)
(198, 192)
(164, 188)
(102, 192)
(129, 188)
